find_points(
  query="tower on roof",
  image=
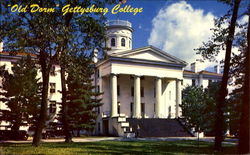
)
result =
(119, 36)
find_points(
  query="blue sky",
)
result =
(177, 27)
(151, 9)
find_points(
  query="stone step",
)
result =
(121, 119)
(129, 134)
(124, 124)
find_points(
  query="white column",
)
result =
(113, 81)
(178, 98)
(137, 97)
(158, 89)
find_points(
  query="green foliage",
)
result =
(193, 107)
(21, 93)
(199, 106)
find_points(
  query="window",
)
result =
(99, 127)
(169, 111)
(123, 42)
(169, 95)
(143, 78)
(129, 43)
(142, 91)
(53, 71)
(118, 107)
(154, 92)
(154, 107)
(52, 87)
(113, 42)
(132, 91)
(143, 109)
(52, 107)
(210, 82)
(193, 82)
(131, 108)
(98, 89)
(98, 73)
(118, 90)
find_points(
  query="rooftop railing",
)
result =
(118, 22)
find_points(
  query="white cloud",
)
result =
(179, 28)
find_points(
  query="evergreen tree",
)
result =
(82, 99)
(21, 93)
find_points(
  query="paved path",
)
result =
(96, 139)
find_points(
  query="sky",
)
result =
(177, 27)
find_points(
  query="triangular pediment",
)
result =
(149, 53)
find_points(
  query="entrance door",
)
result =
(105, 127)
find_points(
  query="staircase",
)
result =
(154, 127)
(121, 127)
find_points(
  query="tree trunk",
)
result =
(244, 122)
(45, 68)
(220, 102)
(68, 135)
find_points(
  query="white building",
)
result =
(54, 96)
(142, 84)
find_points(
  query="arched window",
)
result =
(113, 42)
(123, 42)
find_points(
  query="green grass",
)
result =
(117, 147)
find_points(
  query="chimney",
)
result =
(217, 69)
(197, 66)
(1, 46)
(193, 67)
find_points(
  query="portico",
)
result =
(158, 95)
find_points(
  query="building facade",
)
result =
(142, 83)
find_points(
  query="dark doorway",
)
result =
(105, 127)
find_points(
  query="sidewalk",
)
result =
(96, 139)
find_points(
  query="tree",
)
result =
(49, 36)
(82, 99)
(211, 48)
(198, 107)
(21, 94)
(193, 108)
(244, 125)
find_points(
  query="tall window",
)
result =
(193, 82)
(132, 91)
(142, 91)
(123, 42)
(113, 42)
(53, 71)
(52, 107)
(143, 110)
(119, 108)
(131, 108)
(118, 90)
(52, 87)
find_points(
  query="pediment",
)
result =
(149, 53)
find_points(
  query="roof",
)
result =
(204, 72)
(159, 55)
(17, 54)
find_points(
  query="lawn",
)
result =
(117, 147)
